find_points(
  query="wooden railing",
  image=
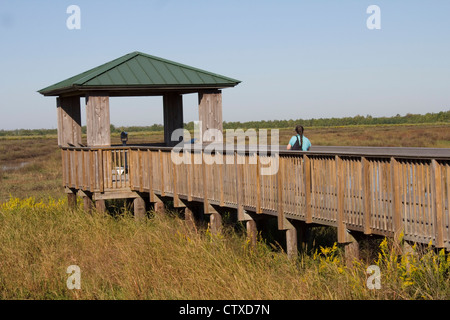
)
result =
(366, 192)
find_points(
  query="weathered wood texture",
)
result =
(374, 195)
(69, 121)
(98, 120)
(173, 116)
(210, 113)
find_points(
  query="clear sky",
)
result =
(296, 59)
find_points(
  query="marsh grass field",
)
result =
(161, 258)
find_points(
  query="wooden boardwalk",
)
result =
(381, 191)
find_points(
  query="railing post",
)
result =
(101, 170)
(280, 195)
(163, 193)
(221, 174)
(176, 199)
(206, 208)
(239, 191)
(141, 170)
(438, 205)
(340, 182)
(367, 199)
(307, 183)
(151, 193)
(258, 184)
(397, 205)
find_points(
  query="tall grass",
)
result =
(161, 258)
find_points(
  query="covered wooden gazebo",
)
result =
(135, 74)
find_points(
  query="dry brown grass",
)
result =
(426, 136)
(161, 258)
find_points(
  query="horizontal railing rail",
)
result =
(406, 191)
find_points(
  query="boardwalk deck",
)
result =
(382, 191)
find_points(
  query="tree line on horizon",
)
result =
(440, 117)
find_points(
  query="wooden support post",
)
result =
(139, 207)
(438, 203)
(159, 207)
(215, 223)
(291, 242)
(87, 202)
(190, 218)
(173, 116)
(72, 198)
(351, 250)
(98, 120)
(100, 205)
(69, 121)
(252, 232)
(210, 112)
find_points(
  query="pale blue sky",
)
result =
(296, 59)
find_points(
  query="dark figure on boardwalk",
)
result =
(299, 142)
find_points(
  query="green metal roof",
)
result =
(140, 71)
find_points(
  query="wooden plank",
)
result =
(141, 170)
(91, 170)
(239, 188)
(176, 199)
(173, 116)
(98, 120)
(206, 205)
(64, 166)
(190, 177)
(340, 183)
(280, 180)
(307, 184)
(258, 184)
(115, 194)
(100, 170)
(151, 192)
(161, 168)
(367, 195)
(210, 112)
(438, 204)
(221, 180)
(69, 121)
(397, 211)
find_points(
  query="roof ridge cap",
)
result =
(187, 66)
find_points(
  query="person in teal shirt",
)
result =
(299, 142)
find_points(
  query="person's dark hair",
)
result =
(299, 129)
